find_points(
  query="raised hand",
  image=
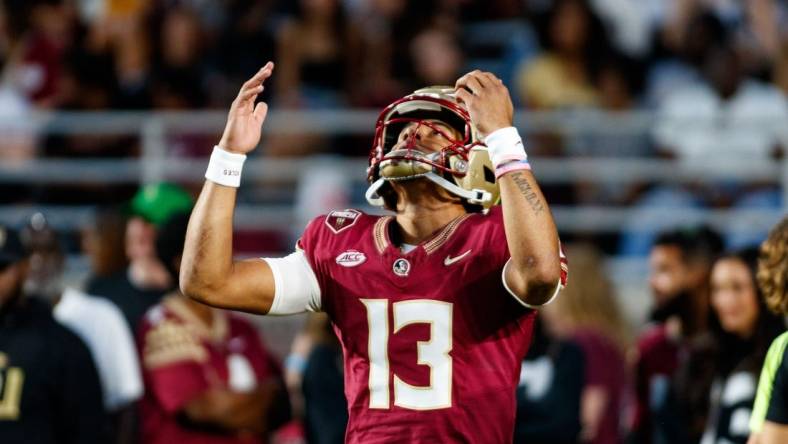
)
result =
(487, 100)
(245, 119)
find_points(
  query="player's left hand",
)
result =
(487, 100)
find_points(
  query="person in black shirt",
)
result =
(551, 384)
(145, 281)
(325, 407)
(49, 388)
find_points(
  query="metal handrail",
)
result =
(548, 170)
(585, 219)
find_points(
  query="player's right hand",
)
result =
(245, 119)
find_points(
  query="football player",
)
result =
(434, 304)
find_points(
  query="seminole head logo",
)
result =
(401, 267)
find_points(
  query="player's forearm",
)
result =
(207, 254)
(531, 236)
(232, 410)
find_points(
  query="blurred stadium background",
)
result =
(639, 115)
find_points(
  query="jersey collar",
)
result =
(380, 234)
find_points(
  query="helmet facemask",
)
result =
(461, 165)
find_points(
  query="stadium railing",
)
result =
(156, 163)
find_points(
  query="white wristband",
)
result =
(505, 145)
(225, 167)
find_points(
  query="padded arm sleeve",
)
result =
(296, 289)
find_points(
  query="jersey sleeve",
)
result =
(504, 257)
(296, 285)
(173, 362)
(771, 401)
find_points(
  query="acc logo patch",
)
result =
(341, 220)
(351, 258)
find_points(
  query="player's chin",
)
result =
(413, 184)
(423, 189)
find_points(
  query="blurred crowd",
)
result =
(187, 54)
(124, 357)
(125, 350)
(712, 74)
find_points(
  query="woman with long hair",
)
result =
(716, 386)
(588, 315)
(769, 422)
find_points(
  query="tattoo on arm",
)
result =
(528, 192)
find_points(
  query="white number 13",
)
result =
(433, 353)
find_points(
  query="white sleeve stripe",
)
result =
(558, 289)
(296, 288)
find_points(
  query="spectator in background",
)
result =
(574, 39)
(715, 388)
(323, 386)
(587, 314)
(548, 396)
(18, 142)
(46, 33)
(319, 63)
(680, 263)
(49, 389)
(388, 28)
(318, 55)
(96, 321)
(246, 31)
(123, 35)
(437, 57)
(678, 61)
(315, 380)
(780, 73)
(104, 244)
(769, 422)
(619, 82)
(142, 284)
(179, 73)
(754, 26)
(208, 377)
(727, 115)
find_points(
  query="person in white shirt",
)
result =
(728, 116)
(97, 321)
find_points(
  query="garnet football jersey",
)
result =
(432, 339)
(182, 358)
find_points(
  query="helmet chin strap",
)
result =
(372, 195)
(479, 197)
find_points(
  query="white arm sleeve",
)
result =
(295, 285)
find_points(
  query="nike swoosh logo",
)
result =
(450, 260)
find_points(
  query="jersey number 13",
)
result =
(433, 353)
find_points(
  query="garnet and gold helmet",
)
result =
(462, 167)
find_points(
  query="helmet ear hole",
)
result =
(489, 176)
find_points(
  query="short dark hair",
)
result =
(695, 243)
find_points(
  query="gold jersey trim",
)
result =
(445, 234)
(379, 233)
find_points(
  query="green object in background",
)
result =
(156, 203)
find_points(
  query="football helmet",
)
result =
(462, 166)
